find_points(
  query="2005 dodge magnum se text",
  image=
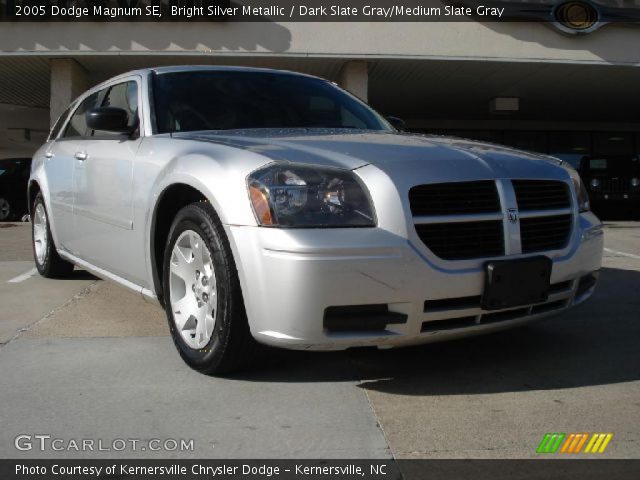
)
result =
(259, 205)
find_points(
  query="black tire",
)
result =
(6, 210)
(51, 265)
(231, 346)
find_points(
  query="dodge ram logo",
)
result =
(513, 215)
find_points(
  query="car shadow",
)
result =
(79, 274)
(593, 344)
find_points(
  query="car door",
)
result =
(103, 181)
(59, 166)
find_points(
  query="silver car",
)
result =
(261, 206)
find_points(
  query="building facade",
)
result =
(523, 84)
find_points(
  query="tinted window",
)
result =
(124, 96)
(598, 163)
(218, 100)
(77, 126)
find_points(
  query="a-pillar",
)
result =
(68, 80)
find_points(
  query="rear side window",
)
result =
(124, 96)
(77, 126)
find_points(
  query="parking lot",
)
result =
(82, 358)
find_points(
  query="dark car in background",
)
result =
(613, 182)
(14, 175)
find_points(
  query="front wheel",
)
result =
(202, 295)
(48, 262)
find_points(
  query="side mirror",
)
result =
(397, 123)
(108, 119)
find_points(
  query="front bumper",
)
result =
(290, 277)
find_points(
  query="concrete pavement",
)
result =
(25, 297)
(92, 360)
(85, 359)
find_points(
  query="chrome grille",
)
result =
(614, 185)
(465, 220)
(480, 237)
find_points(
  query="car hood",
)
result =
(443, 157)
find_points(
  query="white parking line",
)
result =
(622, 254)
(24, 276)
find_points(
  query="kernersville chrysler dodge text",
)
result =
(268, 206)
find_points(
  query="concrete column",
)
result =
(68, 80)
(354, 77)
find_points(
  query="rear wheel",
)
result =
(46, 256)
(203, 300)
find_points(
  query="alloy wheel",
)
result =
(193, 289)
(40, 233)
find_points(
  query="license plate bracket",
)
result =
(513, 283)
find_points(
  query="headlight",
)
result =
(595, 183)
(581, 191)
(635, 182)
(300, 196)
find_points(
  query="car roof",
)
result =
(222, 68)
(205, 68)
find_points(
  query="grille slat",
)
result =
(456, 241)
(545, 233)
(542, 203)
(454, 198)
(541, 194)
(614, 185)
(461, 238)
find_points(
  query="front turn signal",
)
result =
(260, 205)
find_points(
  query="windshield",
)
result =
(226, 100)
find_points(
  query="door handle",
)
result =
(82, 156)
(49, 155)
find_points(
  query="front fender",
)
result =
(227, 192)
(38, 179)
(217, 172)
